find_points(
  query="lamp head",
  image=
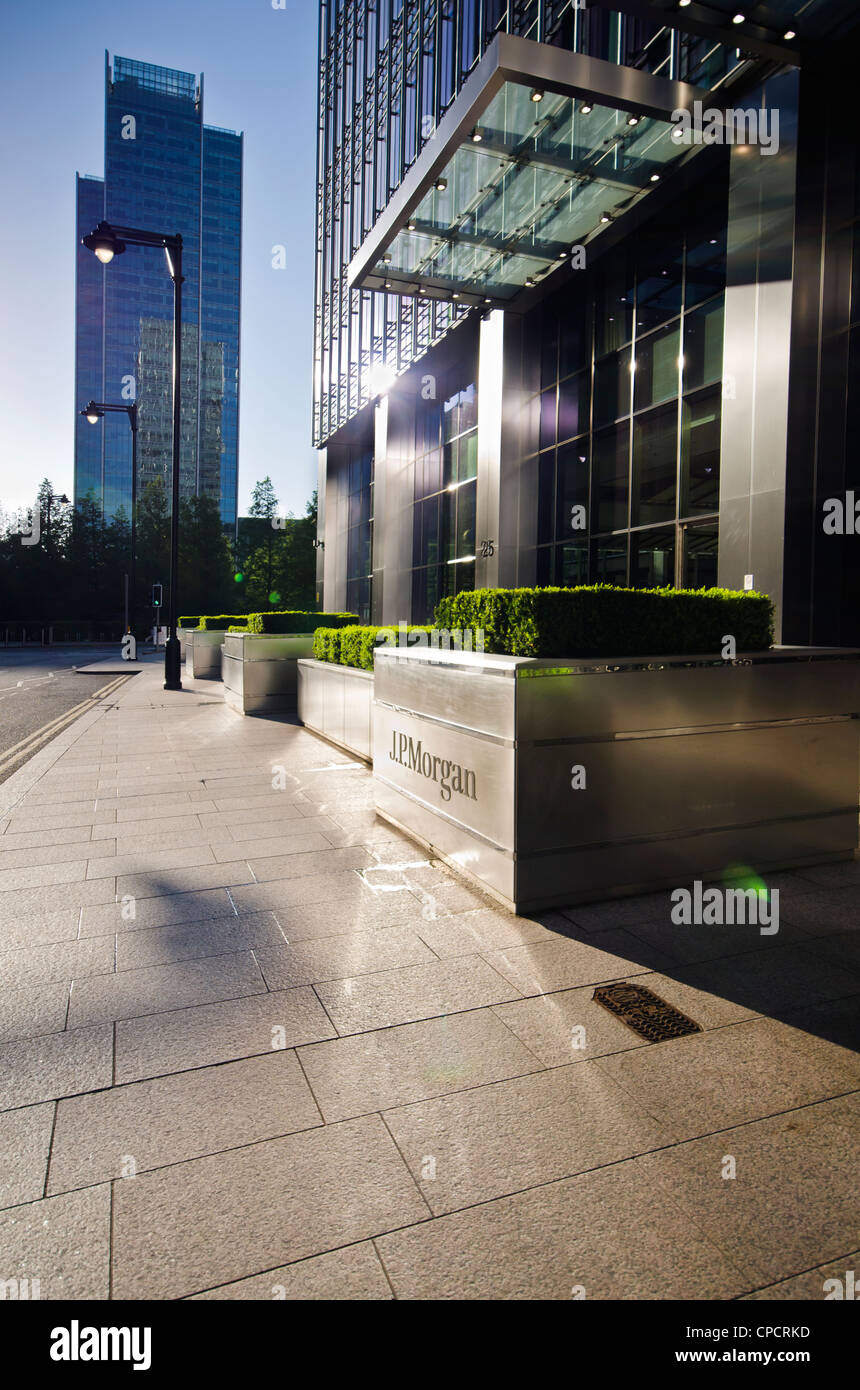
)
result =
(104, 243)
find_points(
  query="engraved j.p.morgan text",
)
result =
(450, 776)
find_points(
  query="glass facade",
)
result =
(164, 171)
(443, 512)
(389, 69)
(630, 406)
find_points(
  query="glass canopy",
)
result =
(538, 175)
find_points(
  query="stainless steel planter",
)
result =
(337, 702)
(259, 673)
(184, 635)
(203, 654)
(691, 767)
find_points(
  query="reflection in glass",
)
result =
(656, 371)
(611, 478)
(700, 452)
(655, 462)
(652, 558)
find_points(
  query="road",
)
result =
(38, 686)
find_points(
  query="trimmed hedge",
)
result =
(221, 621)
(239, 627)
(604, 620)
(354, 645)
(189, 622)
(287, 621)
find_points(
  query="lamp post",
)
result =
(95, 411)
(107, 241)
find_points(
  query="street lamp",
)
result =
(94, 411)
(107, 241)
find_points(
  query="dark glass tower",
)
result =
(546, 319)
(167, 172)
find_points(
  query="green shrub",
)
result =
(189, 622)
(603, 620)
(239, 627)
(353, 645)
(286, 621)
(220, 622)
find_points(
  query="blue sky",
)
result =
(260, 77)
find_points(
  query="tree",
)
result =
(264, 499)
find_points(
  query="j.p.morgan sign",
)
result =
(449, 776)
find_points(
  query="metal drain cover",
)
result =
(645, 1012)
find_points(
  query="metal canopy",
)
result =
(541, 150)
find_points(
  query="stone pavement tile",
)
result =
(143, 830)
(341, 957)
(261, 803)
(32, 820)
(837, 1020)
(53, 854)
(361, 911)
(480, 930)
(271, 817)
(621, 912)
(452, 895)
(30, 1010)
(189, 941)
(143, 843)
(773, 980)
(25, 1138)
(39, 929)
(841, 873)
(607, 1232)
(567, 1026)
(544, 966)
(174, 1118)
(698, 943)
(78, 799)
(287, 830)
(149, 863)
(64, 1242)
(56, 1064)
(206, 1034)
(54, 898)
(344, 888)
(708, 1010)
(163, 987)
(65, 960)
(161, 882)
(793, 1203)
(163, 911)
(730, 1076)
(415, 992)
(187, 1228)
(843, 948)
(41, 876)
(303, 865)
(269, 848)
(34, 839)
(813, 1284)
(498, 1139)
(132, 815)
(824, 910)
(374, 1071)
(351, 1274)
(160, 803)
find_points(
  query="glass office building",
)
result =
(587, 295)
(165, 171)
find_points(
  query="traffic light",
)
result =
(156, 595)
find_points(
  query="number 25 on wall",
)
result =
(488, 548)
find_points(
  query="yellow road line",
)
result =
(28, 745)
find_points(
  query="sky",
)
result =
(260, 66)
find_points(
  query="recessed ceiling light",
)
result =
(477, 137)
(586, 108)
(632, 120)
(738, 18)
(441, 185)
(455, 295)
(410, 226)
(682, 4)
(561, 255)
(488, 300)
(386, 259)
(655, 178)
(789, 35)
(422, 289)
(529, 282)
(604, 217)
(537, 94)
(388, 284)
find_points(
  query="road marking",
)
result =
(27, 746)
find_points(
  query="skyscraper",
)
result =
(165, 171)
(565, 333)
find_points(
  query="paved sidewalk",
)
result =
(252, 1043)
